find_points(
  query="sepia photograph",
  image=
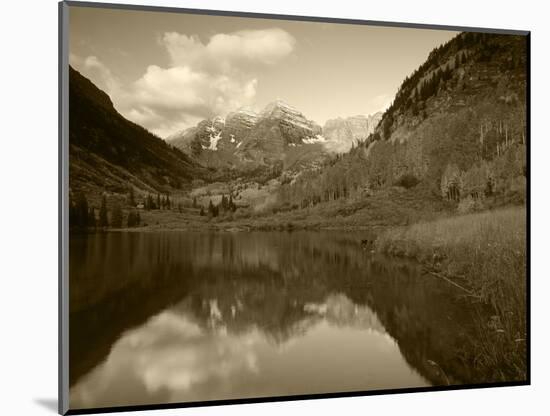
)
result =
(271, 207)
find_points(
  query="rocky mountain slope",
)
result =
(279, 136)
(341, 133)
(110, 153)
(456, 130)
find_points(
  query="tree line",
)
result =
(461, 165)
(83, 216)
(225, 205)
(466, 154)
(158, 202)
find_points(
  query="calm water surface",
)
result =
(176, 317)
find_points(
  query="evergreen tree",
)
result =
(447, 73)
(195, 202)
(103, 219)
(138, 219)
(158, 202)
(202, 212)
(415, 109)
(91, 218)
(131, 219)
(168, 203)
(386, 126)
(131, 197)
(210, 209)
(149, 203)
(116, 216)
(81, 212)
(459, 42)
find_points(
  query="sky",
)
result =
(168, 71)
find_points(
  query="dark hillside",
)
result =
(110, 153)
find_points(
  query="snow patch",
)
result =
(220, 119)
(214, 141)
(239, 145)
(317, 139)
(232, 138)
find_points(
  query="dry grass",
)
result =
(486, 252)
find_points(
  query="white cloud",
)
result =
(91, 67)
(264, 46)
(202, 79)
(172, 356)
(228, 51)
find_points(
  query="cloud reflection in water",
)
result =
(338, 346)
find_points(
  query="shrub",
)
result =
(469, 204)
(407, 181)
(242, 213)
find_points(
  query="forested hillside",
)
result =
(109, 153)
(456, 130)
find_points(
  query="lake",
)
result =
(187, 316)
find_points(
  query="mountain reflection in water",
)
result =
(177, 317)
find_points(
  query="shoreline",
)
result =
(484, 256)
(470, 252)
(244, 229)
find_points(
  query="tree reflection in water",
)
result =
(171, 317)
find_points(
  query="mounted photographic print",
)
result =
(264, 207)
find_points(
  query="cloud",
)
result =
(93, 68)
(201, 80)
(197, 93)
(227, 51)
(169, 358)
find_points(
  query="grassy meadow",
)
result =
(391, 207)
(484, 256)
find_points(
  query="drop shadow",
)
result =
(49, 404)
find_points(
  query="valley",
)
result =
(452, 141)
(439, 177)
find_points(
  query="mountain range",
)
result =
(112, 154)
(457, 125)
(342, 133)
(279, 134)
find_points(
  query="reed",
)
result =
(485, 253)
